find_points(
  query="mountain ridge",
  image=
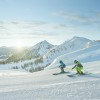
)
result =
(43, 53)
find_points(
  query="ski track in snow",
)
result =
(75, 91)
(45, 86)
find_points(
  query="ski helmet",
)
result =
(60, 61)
(75, 61)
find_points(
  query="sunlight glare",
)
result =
(19, 44)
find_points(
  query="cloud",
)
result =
(71, 16)
(87, 18)
(33, 32)
(2, 27)
(27, 30)
(31, 28)
(37, 30)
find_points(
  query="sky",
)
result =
(27, 22)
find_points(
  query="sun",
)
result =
(19, 44)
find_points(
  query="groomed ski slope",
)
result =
(84, 55)
(45, 86)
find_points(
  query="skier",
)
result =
(62, 66)
(78, 67)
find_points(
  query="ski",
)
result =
(73, 75)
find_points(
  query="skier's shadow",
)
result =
(87, 75)
(92, 75)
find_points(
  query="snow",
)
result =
(11, 65)
(18, 84)
(47, 53)
(84, 55)
(43, 85)
(41, 48)
(11, 73)
(69, 46)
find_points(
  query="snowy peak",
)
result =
(44, 42)
(41, 44)
(74, 44)
(39, 49)
(80, 38)
(43, 53)
(77, 41)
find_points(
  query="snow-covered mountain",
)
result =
(28, 53)
(43, 54)
(84, 55)
(39, 49)
(5, 52)
(69, 46)
(33, 58)
(29, 58)
(74, 44)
